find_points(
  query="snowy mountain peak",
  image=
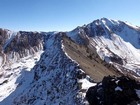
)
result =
(112, 38)
(113, 23)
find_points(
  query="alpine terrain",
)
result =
(94, 64)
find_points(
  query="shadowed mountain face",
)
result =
(3, 37)
(17, 45)
(57, 68)
(114, 91)
(24, 40)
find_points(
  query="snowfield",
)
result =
(17, 77)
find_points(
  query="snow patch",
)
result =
(1, 60)
(118, 88)
(86, 84)
(17, 77)
(138, 93)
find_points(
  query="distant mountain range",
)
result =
(57, 68)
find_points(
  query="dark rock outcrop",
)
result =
(24, 41)
(114, 91)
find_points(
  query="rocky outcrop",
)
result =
(114, 91)
(24, 43)
(17, 45)
(4, 35)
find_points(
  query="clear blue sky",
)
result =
(64, 15)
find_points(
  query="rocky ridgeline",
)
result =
(16, 45)
(55, 78)
(114, 91)
(23, 41)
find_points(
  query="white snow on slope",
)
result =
(53, 82)
(118, 88)
(138, 92)
(17, 77)
(1, 60)
(111, 37)
(86, 84)
(116, 37)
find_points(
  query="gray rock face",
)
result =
(17, 45)
(114, 91)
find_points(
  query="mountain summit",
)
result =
(116, 42)
(57, 68)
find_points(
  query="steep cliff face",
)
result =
(4, 36)
(17, 45)
(22, 44)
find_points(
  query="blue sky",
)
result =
(64, 15)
